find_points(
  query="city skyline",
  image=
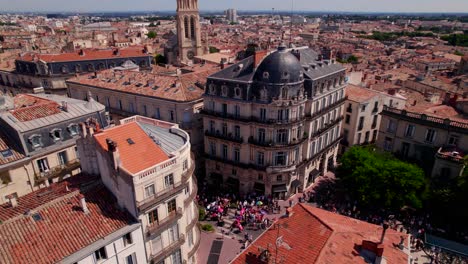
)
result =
(397, 6)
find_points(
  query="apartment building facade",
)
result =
(148, 166)
(273, 123)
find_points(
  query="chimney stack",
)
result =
(385, 227)
(84, 207)
(114, 153)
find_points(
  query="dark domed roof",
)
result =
(279, 67)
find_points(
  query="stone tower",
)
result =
(188, 30)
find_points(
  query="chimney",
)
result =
(13, 201)
(83, 204)
(114, 153)
(385, 227)
(64, 106)
(258, 57)
(81, 52)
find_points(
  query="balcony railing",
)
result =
(272, 144)
(58, 171)
(196, 245)
(426, 119)
(254, 119)
(169, 250)
(193, 194)
(327, 127)
(162, 225)
(167, 192)
(328, 108)
(222, 136)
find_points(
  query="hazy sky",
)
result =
(303, 5)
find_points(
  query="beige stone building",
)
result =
(148, 166)
(362, 114)
(272, 124)
(435, 137)
(37, 140)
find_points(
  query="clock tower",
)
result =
(188, 30)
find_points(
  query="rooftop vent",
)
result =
(37, 217)
(130, 141)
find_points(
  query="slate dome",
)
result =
(279, 67)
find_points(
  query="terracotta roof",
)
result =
(10, 152)
(89, 54)
(29, 107)
(49, 225)
(318, 236)
(359, 94)
(165, 85)
(140, 155)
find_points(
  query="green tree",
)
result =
(379, 179)
(160, 59)
(151, 25)
(459, 53)
(152, 35)
(214, 50)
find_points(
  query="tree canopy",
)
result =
(379, 179)
(151, 34)
(457, 39)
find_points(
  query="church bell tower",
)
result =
(188, 30)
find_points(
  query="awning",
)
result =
(279, 188)
(295, 184)
(259, 186)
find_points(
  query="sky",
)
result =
(436, 6)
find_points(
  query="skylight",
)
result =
(6, 153)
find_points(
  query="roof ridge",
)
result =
(318, 218)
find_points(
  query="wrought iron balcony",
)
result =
(327, 127)
(252, 119)
(222, 136)
(272, 144)
(167, 251)
(162, 225)
(58, 171)
(328, 108)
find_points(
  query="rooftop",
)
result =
(359, 94)
(34, 230)
(335, 239)
(8, 152)
(40, 110)
(86, 54)
(142, 144)
(185, 87)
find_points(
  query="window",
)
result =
(156, 245)
(127, 239)
(349, 109)
(120, 105)
(145, 110)
(225, 129)
(185, 165)
(281, 136)
(234, 172)
(279, 177)
(391, 126)
(361, 123)
(260, 177)
(260, 158)
(171, 206)
(261, 135)
(312, 148)
(363, 108)
(56, 134)
(237, 131)
(171, 115)
(262, 114)
(236, 111)
(190, 237)
(224, 109)
(409, 132)
(73, 129)
(149, 190)
(374, 135)
(176, 257)
(131, 107)
(62, 157)
(374, 121)
(453, 140)
(225, 152)
(280, 158)
(430, 136)
(100, 254)
(168, 180)
(236, 154)
(405, 147)
(376, 107)
(157, 114)
(130, 259)
(43, 165)
(213, 148)
(347, 119)
(358, 138)
(283, 114)
(212, 127)
(153, 217)
(388, 144)
(366, 137)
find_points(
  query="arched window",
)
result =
(192, 27)
(186, 27)
(284, 93)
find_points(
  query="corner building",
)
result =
(272, 123)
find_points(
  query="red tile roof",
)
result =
(6, 145)
(318, 236)
(359, 94)
(63, 228)
(89, 54)
(136, 157)
(29, 107)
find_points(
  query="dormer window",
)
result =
(212, 88)
(64, 69)
(35, 141)
(264, 94)
(78, 68)
(285, 74)
(266, 75)
(238, 92)
(56, 134)
(73, 129)
(90, 67)
(224, 90)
